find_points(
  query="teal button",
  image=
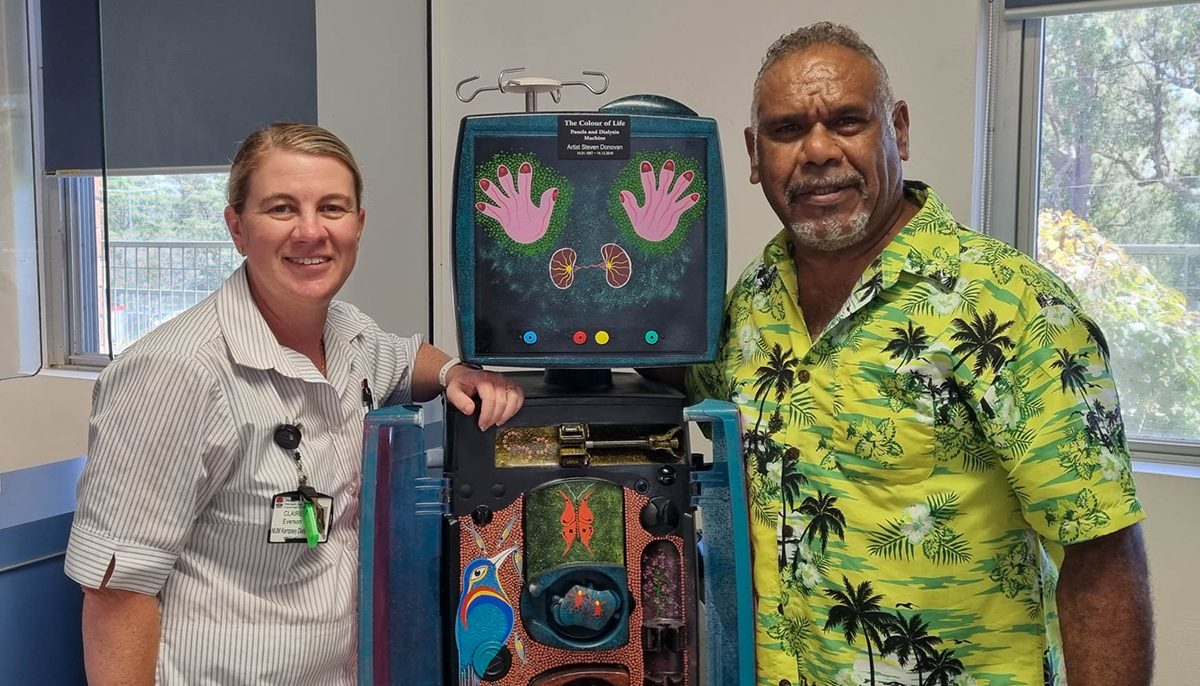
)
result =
(651, 336)
(529, 337)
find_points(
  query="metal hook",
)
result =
(530, 86)
(502, 78)
(469, 79)
(587, 85)
(501, 84)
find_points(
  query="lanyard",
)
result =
(287, 436)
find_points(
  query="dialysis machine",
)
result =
(581, 544)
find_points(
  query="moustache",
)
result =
(806, 186)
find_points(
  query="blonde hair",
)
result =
(307, 139)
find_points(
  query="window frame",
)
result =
(65, 258)
(71, 310)
(1011, 133)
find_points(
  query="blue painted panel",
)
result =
(40, 608)
(40, 641)
(27, 495)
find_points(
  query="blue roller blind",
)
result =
(71, 106)
(178, 84)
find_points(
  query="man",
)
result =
(938, 472)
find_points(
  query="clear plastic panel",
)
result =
(400, 547)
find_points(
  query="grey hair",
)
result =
(824, 33)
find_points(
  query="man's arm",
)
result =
(1104, 611)
(120, 637)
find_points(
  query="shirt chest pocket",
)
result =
(885, 428)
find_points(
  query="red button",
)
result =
(580, 337)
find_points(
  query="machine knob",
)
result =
(660, 516)
(482, 515)
(666, 475)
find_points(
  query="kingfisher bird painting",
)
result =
(485, 617)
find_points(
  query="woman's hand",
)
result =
(499, 399)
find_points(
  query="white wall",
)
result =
(1171, 497)
(372, 91)
(705, 54)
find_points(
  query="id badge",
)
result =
(287, 517)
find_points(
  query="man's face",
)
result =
(826, 153)
(299, 229)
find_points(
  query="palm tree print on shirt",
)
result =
(910, 641)
(1072, 373)
(943, 668)
(908, 344)
(825, 518)
(858, 611)
(773, 379)
(983, 338)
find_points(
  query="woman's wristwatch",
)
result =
(449, 364)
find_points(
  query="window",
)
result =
(20, 344)
(167, 248)
(142, 106)
(1110, 187)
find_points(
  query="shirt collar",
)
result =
(251, 342)
(927, 246)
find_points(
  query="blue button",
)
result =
(651, 336)
(529, 337)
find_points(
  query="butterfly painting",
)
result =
(576, 520)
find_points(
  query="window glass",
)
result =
(168, 248)
(20, 344)
(1119, 198)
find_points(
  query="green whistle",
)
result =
(309, 516)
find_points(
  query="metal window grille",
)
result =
(1174, 265)
(152, 281)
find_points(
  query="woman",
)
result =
(217, 521)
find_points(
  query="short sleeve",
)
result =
(1054, 415)
(161, 437)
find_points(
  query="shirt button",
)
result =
(803, 376)
(352, 489)
(784, 682)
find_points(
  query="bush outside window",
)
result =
(1119, 198)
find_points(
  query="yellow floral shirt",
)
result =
(915, 470)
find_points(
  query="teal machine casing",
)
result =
(464, 577)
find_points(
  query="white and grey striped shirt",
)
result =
(180, 476)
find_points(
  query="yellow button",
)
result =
(601, 337)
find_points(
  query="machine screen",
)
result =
(586, 250)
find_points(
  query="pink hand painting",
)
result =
(515, 211)
(656, 219)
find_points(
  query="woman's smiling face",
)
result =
(299, 228)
